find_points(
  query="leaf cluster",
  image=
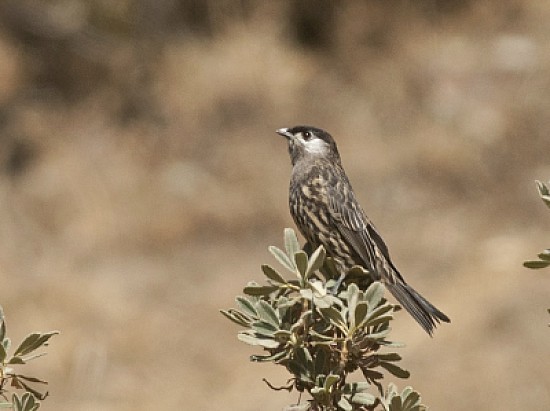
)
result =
(406, 400)
(26, 351)
(318, 333)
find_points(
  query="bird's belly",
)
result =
(316, 224)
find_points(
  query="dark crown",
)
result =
(319, 133)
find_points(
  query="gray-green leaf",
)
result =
(33, 341)
(395, 370)
(301, 262)
(252, 340)
(363, 398)
(246, 306)
(260, 290)
(536, 264)
(267, 313)
(291, 242)
(3, 354)
(282, 258)
(315, 261)
(374, 294)
(272, 274)
(344, 404)
(237, 317)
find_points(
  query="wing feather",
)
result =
(351, 222)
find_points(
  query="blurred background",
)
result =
(141, 182)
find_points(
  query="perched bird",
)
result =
(325, 210)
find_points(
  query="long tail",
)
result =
(417, 306)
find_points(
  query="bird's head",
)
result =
(309, 143)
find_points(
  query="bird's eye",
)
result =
(307, 135)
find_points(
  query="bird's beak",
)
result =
(285, 133)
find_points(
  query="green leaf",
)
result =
(284, 304)
(16, 360)
(392, 356)
(545, 255)
(298, 370)
(301, 365)
(360, 313)
(315, 261)
(378, 335)
(282, 258)
(272, 274)
(246, 306)
(406, 391)
(28, 402)
(325, 301)
(536, 264)
(237, 317)
(321, 337)
(318, 288)
(307, 294)
(363, 398)
(32, 379)
(2, 325)
(396, 404)
(351, 292)
(28, 344)
(44, 338)
(335, 317)
(252, 340)
(29, 398)
(358, 386)
(412, 399)
(393, 344)
(374, 317)
(356, 272)
(17, 403)
(291, 242)
(378, 320)
(320, 361)
(352, 297)
(543, 189)
(264, 329)
(374, 294)
(282, 335)
(330, 381)
(395, 370)
(330, 267)
(543, 192)
(344, 404)
(303, 356)
(259, 290)
(33, 341)
(267, 313)
(301, 263)
(319, 393)
(265, 358)
(3, 354)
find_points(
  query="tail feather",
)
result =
(417, 306)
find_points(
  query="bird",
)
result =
(325, 210)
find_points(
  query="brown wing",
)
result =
(359, 232)
(351, 222)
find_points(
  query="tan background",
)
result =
(141, 182)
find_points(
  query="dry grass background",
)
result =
(141, 182)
